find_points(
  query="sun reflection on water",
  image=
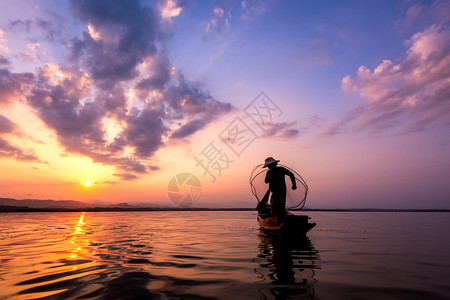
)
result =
(77, 233)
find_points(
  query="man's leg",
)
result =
(282, 208)
(279, 206)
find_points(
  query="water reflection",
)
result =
(78, 231)
(287, 265)
(141, 255)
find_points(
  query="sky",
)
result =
(136, 101)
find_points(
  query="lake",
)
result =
(223, 255)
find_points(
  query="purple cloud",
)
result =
(127, 33)
(6, 125)
(126, 176)
(431, 13)
(410, 95)
(158, 74)
(188, 128)
(11, 85)
(217, 24)
(77, 123)
(187, 98)
(115, 74)
(3, 60)
(8, 150)
(253, 8)
(38, 28)
(341, 126)
(145, 131)
(280, 130)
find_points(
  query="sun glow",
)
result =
(86, 182)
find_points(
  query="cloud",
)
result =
(341, 126)
(62, 102)
(8, 150)
(430, 13)
(253, 8)
(117, 97)
(217, 24)
(128, 32)
(38, 28)
(11, 85)
(281, 130)
(59, 105)
(157, 72)
(6, 125)
(188, 98)
(3, 40)
(78, 122)
(315, 122)
(170, 9)
(144, 131)
(110, 182)
(188, 128)
(3, 60)
(188, 101)
(126, 176)
(412, 93)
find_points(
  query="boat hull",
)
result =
(297, 225)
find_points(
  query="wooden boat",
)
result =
(296, 225)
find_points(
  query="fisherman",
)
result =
(275, 177)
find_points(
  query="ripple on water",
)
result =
(211, 255)
(93, 257)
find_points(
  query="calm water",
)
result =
(222, 255)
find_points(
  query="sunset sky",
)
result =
(107, 101)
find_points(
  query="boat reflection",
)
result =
(286, 266)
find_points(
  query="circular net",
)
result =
(295, 199)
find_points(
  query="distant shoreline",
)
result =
(39, 205)
(5, 209)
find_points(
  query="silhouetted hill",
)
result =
(122, 205)
(33, 203)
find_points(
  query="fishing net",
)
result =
(295, 199)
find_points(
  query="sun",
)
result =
(86, 182)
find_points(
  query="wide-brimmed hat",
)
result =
(269, 160)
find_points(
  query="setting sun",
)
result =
(86, 182)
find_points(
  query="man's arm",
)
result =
(268, 176)
(292, 176)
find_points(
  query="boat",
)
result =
(293, 225)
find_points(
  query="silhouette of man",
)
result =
(275, 177)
